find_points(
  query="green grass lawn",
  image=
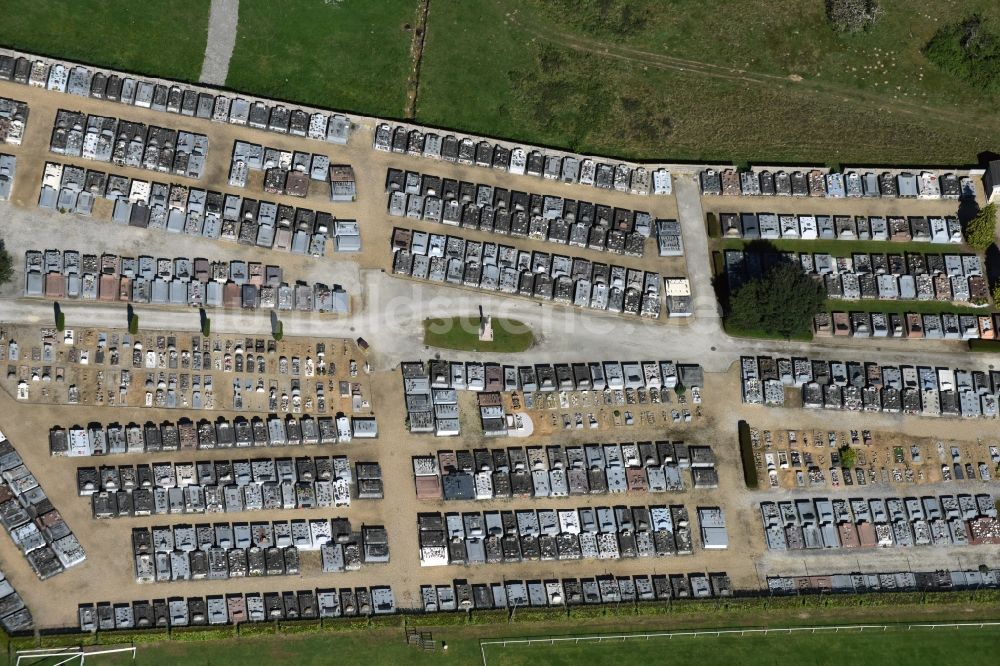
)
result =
(350, 55)
(156, 37)
(462, 334)
(892, 648)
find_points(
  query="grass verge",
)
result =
(462, 334)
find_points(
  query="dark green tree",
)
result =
(6, 265)
(848, 457)
(781, 303)
(980, 230)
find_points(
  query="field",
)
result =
(892, 648)
(688, 81)
(895, 647)
(349, 55)
(639, 79)
(462, 334)
(157, 38)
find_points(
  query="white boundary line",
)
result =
(600, 638)
(70, 654)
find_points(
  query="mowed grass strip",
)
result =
(969, 647)
(157, 37)
(351, 55)
(462, 334)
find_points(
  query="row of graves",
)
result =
(33, 523)
(606, 533)
(291, 172)
(807, 524)
(220, 551)
(557, 471)
(513, 594)
(910, 325)
(895, 228)
(129, 144)
(520, 161)
(428, 385)
(238, 608)
(942, 580)
(163, 96)
(187, 435)
(222, 486)
(821, 183)
(526, 215)
(13, 119)
(14, 615)
(155, 369)
(178, 209)
(8, 169)
(872, 387)
(179, 281)
(954, 278)
(490, 267)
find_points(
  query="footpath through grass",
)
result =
(462, 334)
(155, 37)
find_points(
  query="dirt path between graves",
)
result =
(706, 69)
(417, 53)
(222, 22)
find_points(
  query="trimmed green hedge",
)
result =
(746, 456)
(257, 629)
(300, 627)
(66, 640)
(542, 614)
(492, 616)
(385, 621)
(444, 619)
(345, 624)
(203, 633)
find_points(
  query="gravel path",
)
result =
(221, 39)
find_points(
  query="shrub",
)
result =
(206, 327)
(969, 51)
(980, 230)
(278, 331)
(850, 16)
(60, 321)
(133, 324)
(848, 457)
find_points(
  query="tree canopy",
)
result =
(781, 303)
(980, 230)
(6, 265)
(848, 457)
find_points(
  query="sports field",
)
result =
(890, 648)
